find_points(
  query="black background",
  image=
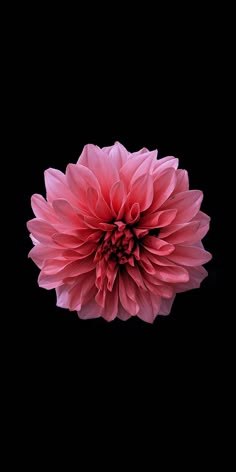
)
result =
(56, 130)
(147, 80)
(144, 93)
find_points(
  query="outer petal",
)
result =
(187, 205)
(197, 275)
(56, 186)
(166, 305)
(144, 162)
(41, 230)
(149, 306)
(43, 209)
(99, 163)
(117, 153)
(190, 256)
(165, 163)
(136, 196)
(163, 187)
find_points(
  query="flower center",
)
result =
(118, 245)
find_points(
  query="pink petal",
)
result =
(66, 213)
(145, 262)
(97, 205)
(136, 196)
(66, 240)
(43, 209)
(56, 186)
(146, 167)
(111, 304)
(133, 214)
(112, 271)
(62, 296)
(141, 151)
(128, 170)
(197, 275)
(158, 219)
(163, 188)
(149, 306)
(71, 270)
(41, 230)
(187, 232)
(83, 291)
(165, 163)
(135, 274)
(101, 165)
(79, 178)
(177, 234)
(89, 310)
(157, 287)
(117, 153)
(117, 198)
(187, 205)
(128, 304)
(53, 266)
(122, 314)
(172, 274)
(182, 182)
(166, 305)
(157, 246)
(89, 154)
(190, 256)
(41, 252)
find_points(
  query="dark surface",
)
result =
(62, 104)
(155, 82)
(56, 137)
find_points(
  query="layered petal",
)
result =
(119, 234)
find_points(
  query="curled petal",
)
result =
(119, 234)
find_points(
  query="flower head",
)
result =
(119, 234)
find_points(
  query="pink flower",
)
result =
(119, 234)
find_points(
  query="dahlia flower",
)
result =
(119, 234)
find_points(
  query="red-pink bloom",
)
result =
(119, 234)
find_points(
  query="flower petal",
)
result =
(135, 274)
(41, 230)
(166, 305)
(89, 310)
(149, 306)
(158, 219)
(177, 234)
(136, 196)
(66, 240)
(165, 163)
(197, 275)
(83, 291)
(66, 213)
(172, 274)
(40, 252)
(71, 270)
(157, 246)
(62, 296)
(43, 209)
(190, 256)
(186, 203)
(163, 188)
(128, 303)
(56, 186)
(122, 314)
(117, 198)
(134, 164)
(182, 182)
(117, 153)
(79, 178)
(101, 165)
